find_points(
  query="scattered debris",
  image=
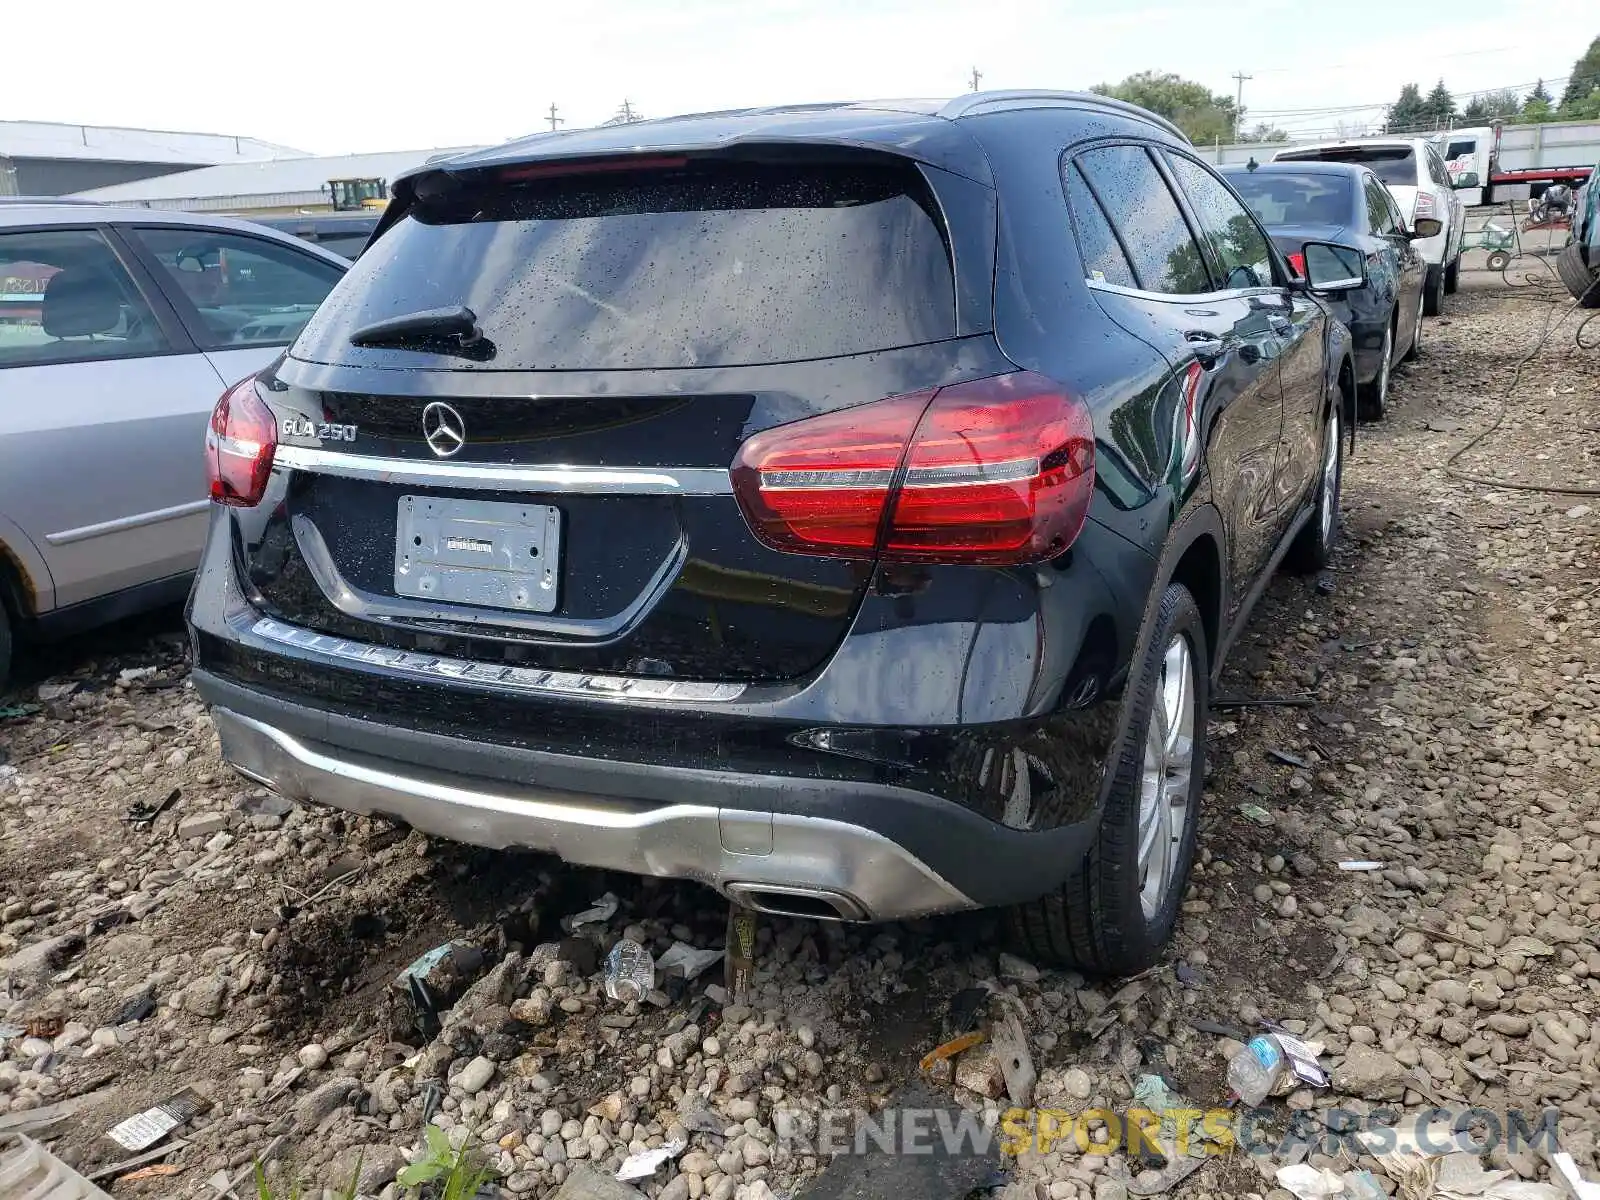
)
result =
(1325, 586)
(51, 690)
(1581, 1188)
(680, 958)
(137, 1160)
(961, 1015)
(646, 1162)
(1302, 1057)
(949, 1050)
(1360, 864)
(135, 674)
(143, 1130)
(1016, 1063)
(140, 813)
(11, 1031)
(136, 1008)
(11, 712)
(1292, 760)
(45, 1028)
(27, 1169)
(602, 911)
(740, 965)
(1254, 812)
(433, 982)
(156, 1171)
(1301, 701)
(1308, 1183)
(630, 971)
(1256, 1071)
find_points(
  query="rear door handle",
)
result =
(1204, 347)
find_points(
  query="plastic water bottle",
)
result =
(1255, 1071)
(630, 971)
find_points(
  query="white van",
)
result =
(1415, 175)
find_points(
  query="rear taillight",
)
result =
(1298, 262)
(240, 442)
(997, 471)
(1425, 206)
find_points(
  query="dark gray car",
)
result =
(118, 330)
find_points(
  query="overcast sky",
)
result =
(342, 76)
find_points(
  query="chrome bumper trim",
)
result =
(722, 847)
(518, 679)
(501, 477)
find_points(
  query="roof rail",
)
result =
(972, 102)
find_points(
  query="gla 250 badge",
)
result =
(327, 431)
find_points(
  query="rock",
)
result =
(475, 1076)
(1370, 1073)
(202, 825)
(315, 1106)
(1509, 1024)
(1078, 1083)
(206, 996)
(312, 1057)
(41, 958)
(1012, 967)
(585, 1183)
(978, 1070)
(378, 1167)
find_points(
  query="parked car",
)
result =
(117, 328)
(1415, 174)
(846, 506)
(1579, 261)
(345, 234)
(1340, 202)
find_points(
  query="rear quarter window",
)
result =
(730, 265)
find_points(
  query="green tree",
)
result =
(1263, 133)
(1191, 106)
(1540, 94)
(1583, 81)
(1440, 106)
(1501, 105)
(1408, 112)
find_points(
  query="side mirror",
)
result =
(1425, 227)
(1334, 268)
(1467, 179)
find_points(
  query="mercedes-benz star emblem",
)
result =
(443, 429)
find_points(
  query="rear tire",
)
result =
(1375, 395)
(1116, 911)
(1433, 292)
(1312, 549)
(1452, 277)
(1581, 280)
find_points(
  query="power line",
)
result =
(1335, 110)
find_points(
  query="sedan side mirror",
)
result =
(1334, 268)
(1425, 227)
(1467, 179)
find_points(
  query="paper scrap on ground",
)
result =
(1308, 1183)
(680, 958)
(604, 909)
(647, 1162)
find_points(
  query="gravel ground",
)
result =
(1454, 739)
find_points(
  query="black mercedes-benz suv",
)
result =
(848, 506)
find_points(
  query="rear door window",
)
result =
(66, 297)
(1241, 248)
(247, 291)
(1103, 258)
(1141, 207)
(731, 265)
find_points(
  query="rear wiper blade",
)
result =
(455, 327)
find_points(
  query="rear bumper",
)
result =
(864, 851)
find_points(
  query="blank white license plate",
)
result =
(480, 552)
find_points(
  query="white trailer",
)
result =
(1487, 164)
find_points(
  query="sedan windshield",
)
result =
(1301, 198)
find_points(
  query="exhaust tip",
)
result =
(817, 904)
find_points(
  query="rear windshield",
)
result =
(740, 264)
(1300, 198)
(1393, 164)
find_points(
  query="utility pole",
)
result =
(1238, 104)
(553, 119)
(977, 77)
(627, 114)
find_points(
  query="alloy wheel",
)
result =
(1165, 804)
